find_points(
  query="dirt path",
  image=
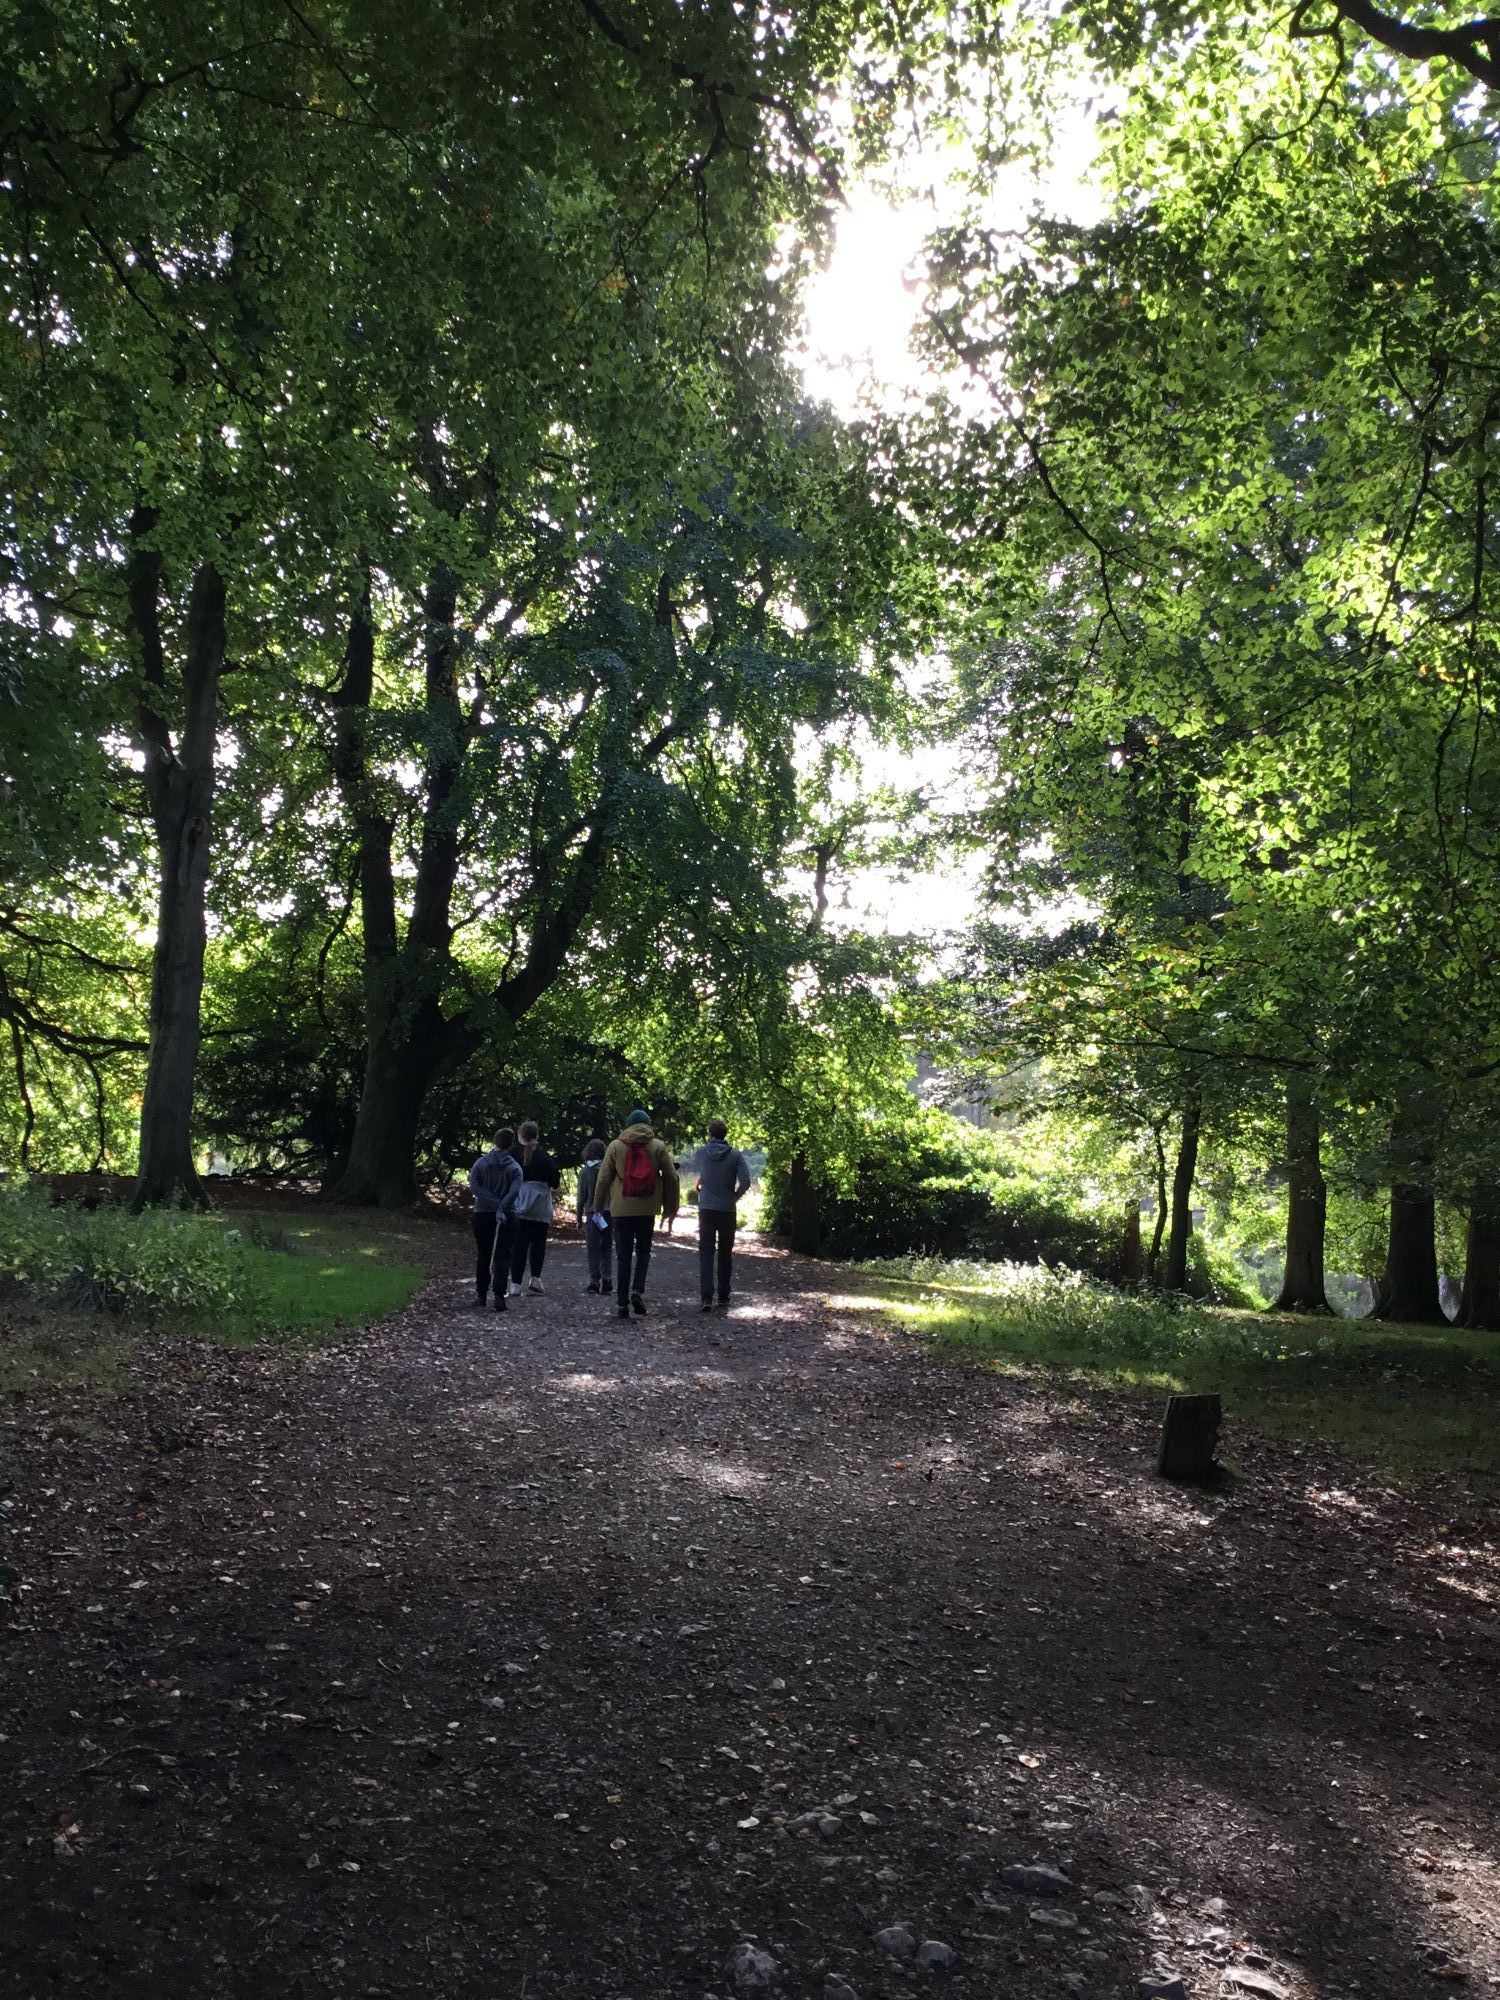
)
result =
(508, 1657)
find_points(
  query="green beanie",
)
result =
(639, 1118)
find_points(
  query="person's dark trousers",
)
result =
(599, 1241)
(632, 1234)
(484, 1253)
(529, 1240)
(500, 1261)
(715, 1246)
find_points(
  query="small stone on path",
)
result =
(1259, 1985)
(897, 1940)
(751, 1969)
(937, 1957)
(1035, 1879)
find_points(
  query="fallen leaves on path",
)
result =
(552, 1655)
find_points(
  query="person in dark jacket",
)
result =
(722, 1178)
(493, 1179)
(534, 1208)
(596, 1226)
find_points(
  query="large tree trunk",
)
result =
(1182, 1193)
(1302, 1286)
(408, 1043)
(380, 1171)
(1409, 1286)
(1409, 1283)
(806, 1223)
(180, 789)
(1479, 1302)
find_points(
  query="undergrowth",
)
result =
(79, 1286)
(1404, 1395)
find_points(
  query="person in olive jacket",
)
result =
(637, 1182)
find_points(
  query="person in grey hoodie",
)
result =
(722, 1178)
(494, 1179)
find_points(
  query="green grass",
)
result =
(309, 1280)
(82, 1289)
(1406, 1397)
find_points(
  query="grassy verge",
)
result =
(308, 1280)
(82, 1288)
(1406, 1397)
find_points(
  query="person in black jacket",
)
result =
(534, 1207)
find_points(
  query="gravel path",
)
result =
(546, 1655)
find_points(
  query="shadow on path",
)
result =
(506, 1655)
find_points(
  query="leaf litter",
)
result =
(554, 1655)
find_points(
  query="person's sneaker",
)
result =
(623, 1312)
(535, 1285)
(592, 1287)
(638, 1303)
(480, 1301)
(499, 1302)
(723, 1305)
(707, 1306)
(515, 1288)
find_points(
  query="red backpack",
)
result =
(638, 1181)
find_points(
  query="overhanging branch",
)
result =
(1473, 45)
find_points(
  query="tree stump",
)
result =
(1189, 1433)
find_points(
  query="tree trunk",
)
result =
(802, 1200)
(410, 1041)
(1409, 1284)
(1479, 1302)
(1409, 1287)
(179, 783)
(407, 1041)
(380, 1171)
(1132, 1257)
(1159, 1222)
(1182, 1193)
(1302, 1286)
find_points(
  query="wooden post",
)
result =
(1189, 1433)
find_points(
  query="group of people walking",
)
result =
(622, 1188)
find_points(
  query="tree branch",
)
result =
(1474, 45)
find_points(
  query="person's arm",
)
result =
(741, 1176)
(554, 1174)
(605, 1181)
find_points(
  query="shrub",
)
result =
(927, 1184)
(108, 1260)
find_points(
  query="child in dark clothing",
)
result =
(596, 1227)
